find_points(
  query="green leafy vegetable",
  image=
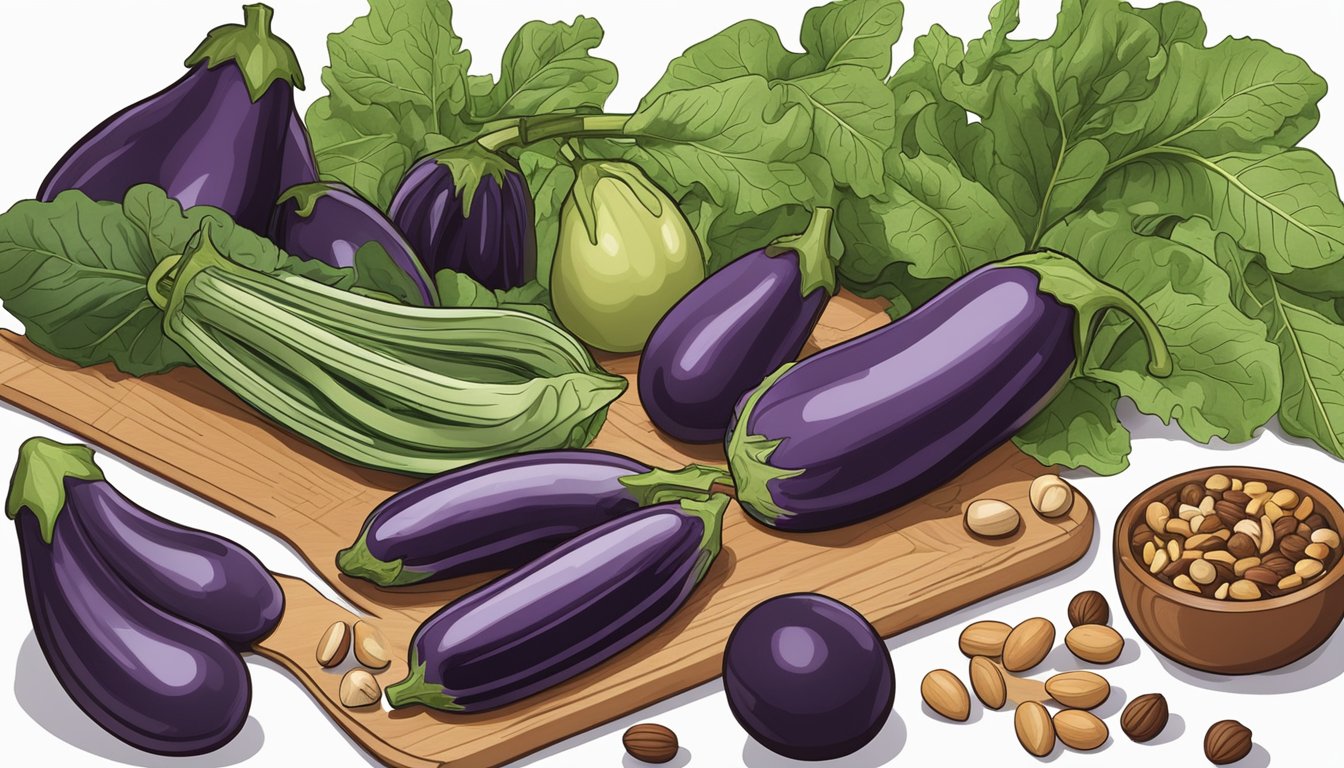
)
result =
(1079, 425)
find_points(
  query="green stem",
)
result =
(813, 247)
(257, 18)
(531, 130)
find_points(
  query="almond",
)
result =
(359, 689)
(334, 645)
(991, 518)
(945, 694)
(984, 638)
(650, 743)
(987, 682)
(1028, 644)
(1034, 728)
(370, 648)
(1080, 730)
(1096, 643)
(1078, 690)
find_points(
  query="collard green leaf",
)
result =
(548, 68)
(853, 123)
(1079, 428)
(548, 178)
(746, 48)
(850, 32)
(982, 52)
(359, 146)
(918, 82)
(458, 290)
(1175, 22)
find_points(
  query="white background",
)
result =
(66, 65)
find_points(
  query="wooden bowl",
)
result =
(1224, 636)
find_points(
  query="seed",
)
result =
(1206, 504)
(1316, 550)
(370, 648)
(1089, 607)
(1196, 522)
(1179, 527)
(1308, 568)
(1221, 592)
(1035, 730)
(1325, 536)
(1292, 581)
(1174, 549)
(1051, 496)
(1175, 568)
(650, 743)
(1304, 508)
(1079, 689)
(1187, 511)
(334, 645)
(1145, 717)
(1229, 512)
(984, 638)
(1221, 556)
(1191, 494)
(1266, 535)
(1149, 551)
(1250, 528)
(1244, 564)
(1096, 643)
(1244, 589)
(1202, 572)
(1028, 643)
(1274, 512)
(1285, 526)
(1285, 498)
(945, 694)
(1208, 525)
(1261, 575)
(1253, 506)
(1242, 545)
(1183, 582)
(1315, 520)
(1080, 730)
(987, 682)
(1277, 563)
(1227, 741)
(1160, 561)
(1255, 488)
(991, 518)
(1303, 530)
(1156, 515)
(359, 689)
(1218, 482)
(1142, 535)
(1293, 547)
(1236, 484)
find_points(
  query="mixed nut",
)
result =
(1230, 539)
(358, 687)
(1050, 496)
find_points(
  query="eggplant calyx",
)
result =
(38, 483)
(260, 56)
(416, 690)
(471, 164)
(357, 561)
(588, 174)
(813, 247)
(710, 510)
(661, 485)
(1068, 281)
(749, 460)
(305, 196)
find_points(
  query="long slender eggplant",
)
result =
(329, 222)
(733, 330)
(504, 512)
(215, 137)
(193, 575)
(869, 425)
(484, 231)
(155, 681)
(565, 612)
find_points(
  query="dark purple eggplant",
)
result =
(484, 231)
(504, 512)
(733, 330)
(153, 680)
(869, 425)
(215, 137)
(563, 613)
(329, 222)
(298, 164)
(808, 677)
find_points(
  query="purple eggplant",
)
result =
(153, 680)
(565, 612)
(329, 222)
(484, 231)
(733, 330)
(215, 137)
(869, 425)
(504, 512)
(298, 165)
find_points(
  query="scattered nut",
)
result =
(1227, 742)
(987, 682)
(1027, 645)
(370, 649)
(1096, 643)
(1078, 690)
(1080, 730)
(1089, 607)
(1035, 730)
(1144, 717)
(650, 742)
(945, 694)
(359, 689)
(334, 645)
(984, 638)
(991, 518)
(1051, 495)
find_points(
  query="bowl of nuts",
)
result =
(1233, 570)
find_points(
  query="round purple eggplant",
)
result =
(871, 424)
(504, 512)
(484, 229)
(563, 613)
(329, 222)
(733, 330)
(155, 681)
(808, 677)
(215, 137)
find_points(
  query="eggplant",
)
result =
(197, 576)
(733, 330)
(484, 230)
(871, 424)
(155, 681)
(329, 222)
(298, 165)
(215, 137)
(563, 613)
(504, 512)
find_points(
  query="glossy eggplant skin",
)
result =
(565, 612)
(329, 222)
(504, 512)
(871, 424)
(496, 244)
(205, 579)
(152, 680)
(298, 165)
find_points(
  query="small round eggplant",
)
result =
(153, 680)
(215, 137)
(484, 231)
(329, 222)
(808, 677)
(504, 512)
(733, 330)
(565, 612)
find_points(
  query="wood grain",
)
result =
(898, 570)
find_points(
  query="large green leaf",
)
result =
(548, 68)
(1079, 428)
(850, 32)
(852, 123)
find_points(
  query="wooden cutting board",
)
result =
(899, 570)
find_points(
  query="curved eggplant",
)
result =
(484, 231)
(504, 512)
(565, 612)
(329, 222)
(215, 137)
(869, 425)
(733, 330)
(298, 165)
(152, 680)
